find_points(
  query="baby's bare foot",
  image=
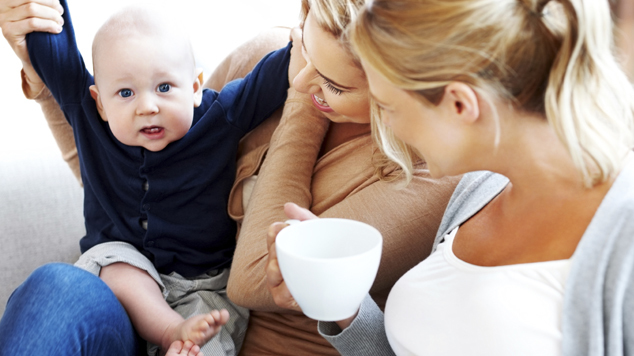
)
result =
(178, 348)
(198, 329)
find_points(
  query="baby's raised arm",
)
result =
(59, 64)
(21, 17)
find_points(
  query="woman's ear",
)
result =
(461, 101)
(94, 92)
(198, 87)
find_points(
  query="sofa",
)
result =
(41, 217)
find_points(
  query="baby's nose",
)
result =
(146, 105)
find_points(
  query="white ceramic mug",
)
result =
(329, 265)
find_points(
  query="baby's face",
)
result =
(145, 89)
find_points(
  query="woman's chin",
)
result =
(342, 119)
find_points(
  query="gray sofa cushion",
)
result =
(41, 217)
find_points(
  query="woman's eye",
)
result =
(164, 88)
(125, 93)
(332, 88)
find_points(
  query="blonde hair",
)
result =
(334, 17)
(551, 57)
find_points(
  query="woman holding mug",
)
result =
(535, 252)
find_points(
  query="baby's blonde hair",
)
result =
(551, 57)
(334, 17)
(138, 20)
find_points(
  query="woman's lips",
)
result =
(321, 104)
(153, 132)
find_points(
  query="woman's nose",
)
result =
(307, 80)
(146, 105)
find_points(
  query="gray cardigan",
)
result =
(598, 310)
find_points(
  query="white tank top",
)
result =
(445, 306)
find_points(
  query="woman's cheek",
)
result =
(386, 118)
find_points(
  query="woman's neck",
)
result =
(339, 133)
(543, 212)
(531, 155)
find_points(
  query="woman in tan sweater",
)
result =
(318, 152)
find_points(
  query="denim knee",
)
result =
(73, 310)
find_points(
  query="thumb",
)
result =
(294, 211)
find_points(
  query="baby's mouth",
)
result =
(153, 132)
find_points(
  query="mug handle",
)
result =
(292, 221)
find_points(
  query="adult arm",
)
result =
(57, 123)
(365, 336)
(408, 218)
(21, 17)
(17, 19)
(285, 175)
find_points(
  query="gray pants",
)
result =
(187, 296)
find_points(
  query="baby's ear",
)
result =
(198, 87)
(94, 92)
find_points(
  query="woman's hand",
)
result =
(21, 17)
(297, 58)
(275, 282)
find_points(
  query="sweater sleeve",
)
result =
(285, 176)
(60, 128)
(249, 101)
(364, 337)
(57, 61)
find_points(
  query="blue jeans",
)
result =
(63, 310)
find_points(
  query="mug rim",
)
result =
(378, 243)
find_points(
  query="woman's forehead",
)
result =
(329, 56)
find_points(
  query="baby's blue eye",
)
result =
(164, 88)
(125, 93)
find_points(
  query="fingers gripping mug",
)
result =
(329, 265)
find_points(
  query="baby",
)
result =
(157, 157)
